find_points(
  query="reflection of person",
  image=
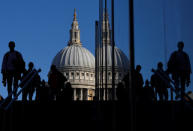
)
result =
(148, 92)
(180, 68)
(139, 78)
(159, 84)
(12, 67)
(138, 82)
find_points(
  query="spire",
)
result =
(106, 36)
(74, 14)
(74, 32)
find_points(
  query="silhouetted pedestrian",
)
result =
(30, 89)
(37, 84)
(138, 83)
(126, 83)
(12, 67)
(153, 83)
(67, 92)
(139, 77)
(38, 91)
(42, 93)
(56, 81)
(126, 80)
(148, 92)
(180, 68)
(159, 84)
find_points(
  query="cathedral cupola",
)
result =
(74, 32)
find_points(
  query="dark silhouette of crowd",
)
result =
(58, 88)
(176, 78)
(14, 72)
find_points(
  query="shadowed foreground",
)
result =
(94, 116)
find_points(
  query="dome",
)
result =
(121, 60)
(74, 56)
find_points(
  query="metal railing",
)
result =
(23, 84)
(171, 84)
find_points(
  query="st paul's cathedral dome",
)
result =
(77, 64)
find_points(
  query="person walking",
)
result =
(13, 66)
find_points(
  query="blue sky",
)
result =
(40, 29)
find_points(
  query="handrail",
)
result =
(167, 80)
(10, 94)
(29, 77)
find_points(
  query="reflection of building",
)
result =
(77, 64)
(121, 65)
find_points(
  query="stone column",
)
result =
(104, 94)
(81, 94)
(86, 93)
(74, 93)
